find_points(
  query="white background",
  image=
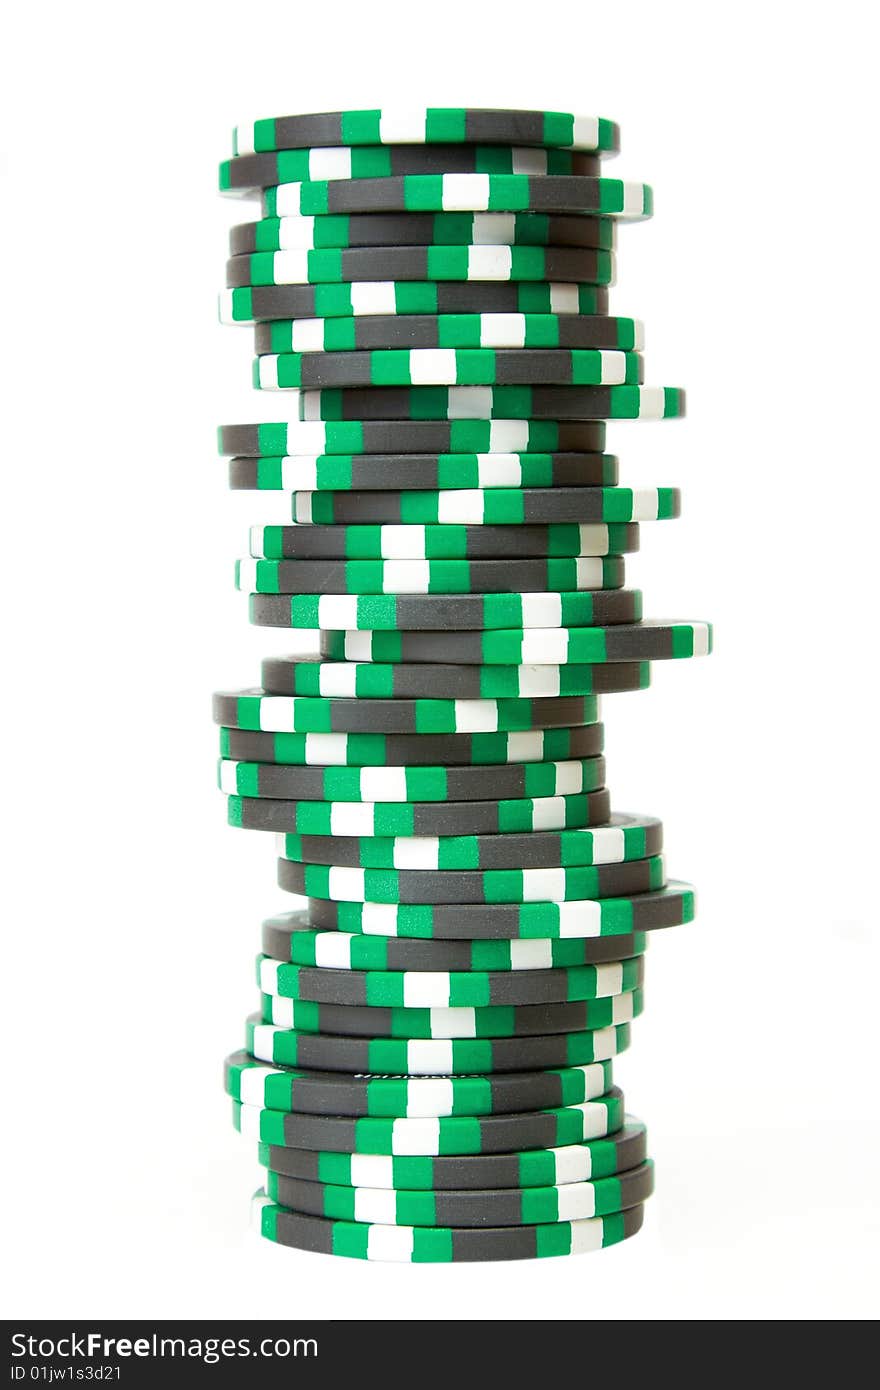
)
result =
(133, 912)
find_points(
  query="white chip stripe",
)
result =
(243, 138)
(295, 232)
(393, 1244)
(416, 1137)
(383, 784)
(430, 1096)
(465, 192)
(489, 262)
(423, 989)
(290, 267)
(403, 125)
(247, 575)
(412, 852)
(372, 297)
(307, 335)
(252, 1083)
(353, 818)
(453, 1023)
(503, 330)
(544, 644)
(225, 313)
(564, 299)
(702, 637)
(585, 133)
(652, 403)
(371, 1170)
(287, 199)
(430, 1055)
(633, 199)
(330, 162)
(375, 1205)
(263, 1041)
(493, 228)
(427, 366)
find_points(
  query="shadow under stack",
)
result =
(430, 1074)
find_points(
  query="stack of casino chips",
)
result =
(430, 1074)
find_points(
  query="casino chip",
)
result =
(429, 1076)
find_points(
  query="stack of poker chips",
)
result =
(430, 1074)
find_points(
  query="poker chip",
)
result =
(291, 936)
(428, 126)
(460, 192)
(429, 1097)
(420, 472)
(439, 1245)
(323, 820)
(421, 229)
(670, 906)
(429, 1076)
(371, 680)
(247, 172)
(575, 264)
(462, 1134)
(585, 1162)
(260, 303)
(445, 539)
(411, 436)
(432, 1057)
(642, 641)
(446, 1024)
(449, 332)
(503, 1207)
(448, 989)
(477, 749)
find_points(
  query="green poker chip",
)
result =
(449, 332)
(258, 169)
(447, 367)
(575, 506)
(396, 618)
(369, 298)
(371, 750)
(430, 1097)
(588, 1161)
(492, 402)
(421, 229)
(450, 1024)
(442, 538)
(467, 192)
(502, 1207)
(420, 472)
(503, 923)
(345, 437)
(448, 989)
(623, 839)
(324, 823)
(571, 264)
(462, 1134)
(650, 640)
(446, 125)
(439, 1245)
(433, 1057)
